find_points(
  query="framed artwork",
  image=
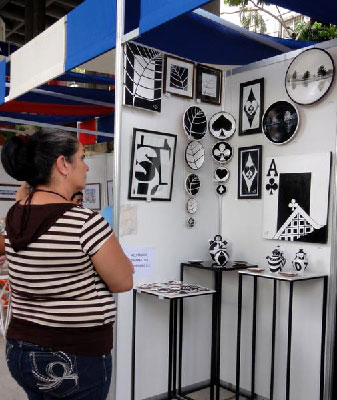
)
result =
(109, 188)
(309, 76)
(250, 172)
(92, 196)
(152, 165)
(296, 197)
(178, 77)
(8, 191)
(208, 84)
(251, 107)
(143, 71)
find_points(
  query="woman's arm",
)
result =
(113, 266)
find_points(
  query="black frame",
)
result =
(133, 152)
(258, 149)
(182, 61)
(261, 110)
(198, 85)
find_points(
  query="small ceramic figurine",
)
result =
(300, 262)
(217, 250)
(276, 261)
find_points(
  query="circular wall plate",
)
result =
(195, 123)
(192, 184)
(195, 154)
(222, 125)
(221, 189)
(192, 205)
(280, 122)
(221, 174)
(222, 152)
(309, 76)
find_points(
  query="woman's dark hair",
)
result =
(31, 158)
(76, 194)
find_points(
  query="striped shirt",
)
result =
(53, 280)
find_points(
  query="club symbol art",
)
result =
(221, 174)
(297, 225)
(250, 107)
(221, 189)
(272, 186)
(192, 184)
(222, 125)
(195, 123)
(195, 155)
(249, 173)
(222, 152)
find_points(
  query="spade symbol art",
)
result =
(222, 152)
(222, 125)
(250, 108)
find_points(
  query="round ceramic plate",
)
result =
(195, 154)
(192, 184)
(221, 174)
(310, 76)
(222, 152)
(280, 122)
(195, 123)
(192, 205)
(222, 125)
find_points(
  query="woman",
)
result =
(64, 263)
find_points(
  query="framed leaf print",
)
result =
(143, 68)
(251, 107)
(179, 77)
(208, 84)
(152, 165)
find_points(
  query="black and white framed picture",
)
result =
(280, 122)
(92, 196)
(310, 76)
(195, 122)
(222, 125)
(179, 77)
(296, 197)
(143, 72)
(109, 187)
(195, 154)
(222, 152)
(250, 172)
(152, 165)
(8, 191)
(208, 84)
(251, 107)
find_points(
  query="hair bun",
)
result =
(17, 157)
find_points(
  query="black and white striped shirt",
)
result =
(53, 280)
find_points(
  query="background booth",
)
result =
(160, 226)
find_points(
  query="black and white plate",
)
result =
(221, 174)
(190, 222)
(221, 189)
(222, 125)
(192, 205)
(310, 76)
(222, 152)
(280, 122)
(195, 154)
(192, 184)
(195, 123)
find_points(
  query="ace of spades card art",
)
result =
(296, 193)
(250, 172)
(251, 107)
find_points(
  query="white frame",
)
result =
(96, 204)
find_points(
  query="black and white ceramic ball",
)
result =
(195, 154)
(222, 125)
(192, 184)
(195, 123)
(222, 152)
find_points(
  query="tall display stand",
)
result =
(216, 316)
(291, 280)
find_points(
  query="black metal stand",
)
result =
(290, 281)
(175, 341)
(216, 318)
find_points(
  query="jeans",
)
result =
(45, 374)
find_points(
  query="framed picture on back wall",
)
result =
(251, 107)
(250, 172)
(179, 77)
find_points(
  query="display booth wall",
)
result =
(162, 225)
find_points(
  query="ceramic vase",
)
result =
(277, 260)
(217, 250)
(300, 262)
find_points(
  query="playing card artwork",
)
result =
(251, 107)
(222, 152)
(296, 192)
(250, 172)
(222, 125)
